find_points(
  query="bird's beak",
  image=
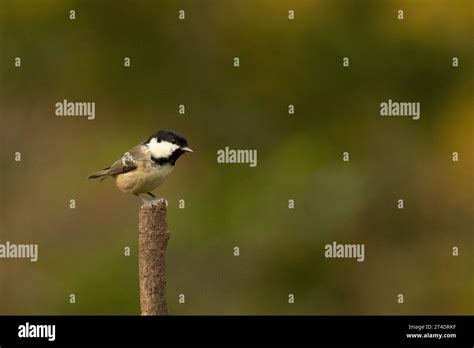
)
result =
(187, 149)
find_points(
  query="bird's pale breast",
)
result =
(143, 180)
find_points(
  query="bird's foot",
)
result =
(155, 200)
(160, 200)
(146, 201)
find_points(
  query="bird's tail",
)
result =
(100, 174)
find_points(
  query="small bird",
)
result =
(146, 166)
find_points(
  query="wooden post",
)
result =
(152, 242)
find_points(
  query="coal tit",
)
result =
(145, 167)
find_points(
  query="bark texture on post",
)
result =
(152, 242)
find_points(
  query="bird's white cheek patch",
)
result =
(161, 149)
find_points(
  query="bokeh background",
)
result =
(283, 62)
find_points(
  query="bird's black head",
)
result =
(167, 146)
(170, 136)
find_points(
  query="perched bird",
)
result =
(145, 167)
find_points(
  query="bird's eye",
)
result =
(173, 141)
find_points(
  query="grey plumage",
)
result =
(127, 163)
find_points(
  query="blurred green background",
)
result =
(283, 62)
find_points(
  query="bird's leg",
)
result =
(144, 201)
(158, 199)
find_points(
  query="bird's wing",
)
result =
(128, 162)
